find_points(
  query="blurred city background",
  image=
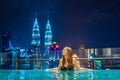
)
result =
(35, 57)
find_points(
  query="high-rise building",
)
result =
(5, 41)
(35, 39)
(82, 54)
(48, 40)
(54, 51)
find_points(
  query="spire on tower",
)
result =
(36, 37)
(35, 14)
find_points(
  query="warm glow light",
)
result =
(57, 46)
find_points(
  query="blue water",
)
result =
(59, 75)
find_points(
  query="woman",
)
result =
(67, 62)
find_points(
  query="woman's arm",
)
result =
(60, 64)
(77, 65)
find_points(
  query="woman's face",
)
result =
(64, 52)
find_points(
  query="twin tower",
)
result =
(36, 53)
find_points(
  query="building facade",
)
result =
(48, 40)
(36, 39)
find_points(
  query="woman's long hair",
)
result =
(69, 57)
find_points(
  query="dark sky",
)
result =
(92, 22)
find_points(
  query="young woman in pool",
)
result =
(67, 62)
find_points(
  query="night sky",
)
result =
(74, 22)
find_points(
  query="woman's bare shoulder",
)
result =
(76, 62)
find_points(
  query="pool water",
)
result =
(59, 75)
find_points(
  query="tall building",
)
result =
(82, 54)
(5, 41)
(48, 40)
(54, 51)
(82, 51)
(35, 39)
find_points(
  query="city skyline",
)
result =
(95, 23)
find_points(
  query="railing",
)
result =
(30, 60)
(40, 61)
(94, 59)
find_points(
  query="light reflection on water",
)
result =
(59, 75)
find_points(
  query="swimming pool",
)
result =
(59, 75)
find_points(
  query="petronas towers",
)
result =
(36, 44)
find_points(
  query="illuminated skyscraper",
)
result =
(48, 40)
(36, 39)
